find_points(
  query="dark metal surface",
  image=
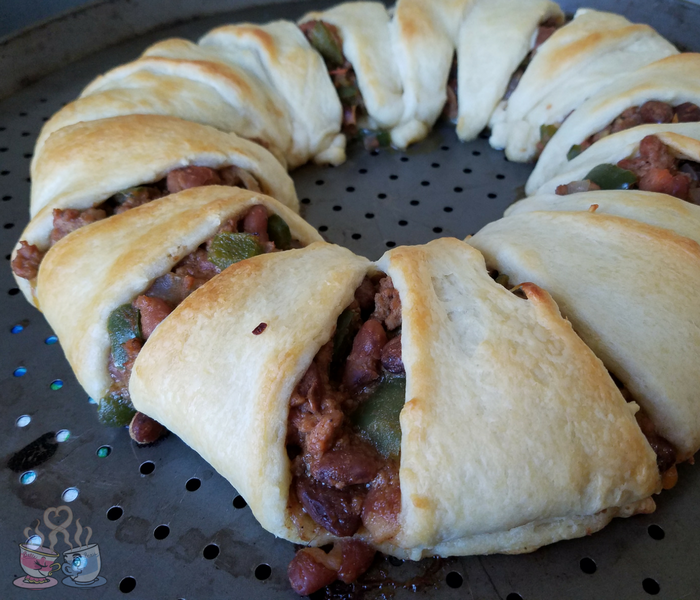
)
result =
(440, 187)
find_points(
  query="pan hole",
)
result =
(362, 171)
(127, 585)
(28, 155)
(3, 149)
(193, 484)
(435, 165)
(476, 153)
(404, 159)
(356, 236)
(492, 195)
(5, 172)
(51, 340)
(651, 586)
(27, 477)
(263, 572)
(458, 190)
(381, 196)
(454, 579)
(161, 532)
(323, 228)
(210, 552)
(23, 114)
(6, 198)
(403, 223)
(104, 451)
(390, 244)
(414, 202)
(588, 566)
(20, 372)
(239, 502)
(147, 467)
(425, 183)
(350, 189)
(444, 148)
(115, 513)
(306, 201)
(514, 596)
(9, 225)
(13, 291)
(23, 421)
(393, 177)
(437, 229)
(369, 215)
(447, 209)
(56, 384)
(320, 182)
(62, 436)
(655, 532)
(69, 494)
(500, 176)
(337, 208)
(467, 171)
(375, 152)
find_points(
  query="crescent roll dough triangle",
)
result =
(97, 268)
(675, 80)
(224, 390)
(682, 138)
(629, 289)
(364, 28)
(659, 210)
(594, 50)
(280, 53)
(494, 38)
(467, 342)
(84, 164)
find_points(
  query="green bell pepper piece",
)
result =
(123, 324)
(115, 410)
(347, 326)
(574, 151)
(611, 177)
(229, 248)
(321, 37)
(547, 133)
(278, 230)
(378, 417)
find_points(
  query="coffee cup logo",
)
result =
(82, 563)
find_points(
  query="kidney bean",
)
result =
(331, 508)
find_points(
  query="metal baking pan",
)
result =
(166, 525)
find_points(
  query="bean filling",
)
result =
(130, 325)
(327, 40)
(344, 439)
(26, 262)
(655, 169)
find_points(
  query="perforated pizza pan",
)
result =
(166, 524)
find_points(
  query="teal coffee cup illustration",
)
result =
(83, 564)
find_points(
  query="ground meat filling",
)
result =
(344, 479)
(665, 451)
(327, 40)
(655, 169)
(26, 262)
(131, 325)
(651, 112)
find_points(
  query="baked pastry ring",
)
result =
(102, 266)
(85, 164)
(629, 290)
(467, 345)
